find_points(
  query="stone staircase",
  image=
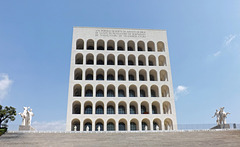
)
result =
(220, 138)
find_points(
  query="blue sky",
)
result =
(203, 38)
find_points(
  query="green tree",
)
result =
(6, 114)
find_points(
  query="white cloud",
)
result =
(5, 84)
(50, 126)
(217, 53)
(229, 39)
(180, 90)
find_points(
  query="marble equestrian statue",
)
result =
(26, 116)
(221, 116)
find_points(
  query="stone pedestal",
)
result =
(222, 126)
(26, 128)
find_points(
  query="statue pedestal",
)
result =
(222, 126)
(25, 128)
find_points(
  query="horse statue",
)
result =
(222, 116)
(26, 116)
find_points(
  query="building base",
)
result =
(25, 128)
(222, 126)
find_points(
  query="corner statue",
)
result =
(26, 119)
(221, 119)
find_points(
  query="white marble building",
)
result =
(120, 80)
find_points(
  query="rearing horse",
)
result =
(222, 115)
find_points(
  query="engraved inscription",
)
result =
(120, 33)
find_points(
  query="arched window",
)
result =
(89, 93)
(141, 60)
(100, 74)
(132, 75)
(100, 45)
(75, 123)
(90, 44)
(131, 78)
(120, 45)
(143, 125)
(89, 77)
(121, 110)
(163, 75)
(110, 60)
(100, 77)
(80, 44)
(77, 90)
(131, 60)
(100, 62)
(154, 109)
(110, 126)
(89, 125)
(110, 77)
(143, 109)
(141, 46)
(132, 110)
(76, 108)
(160, 46)
(141, 78)
(133, 126)
(121, 60)
(110, 110)
(162, 61)
(153, 75)
(152, 78)
(131, 93)
(121, 126)
(110, 74)
(78, 74)
(79, 59)
(151, 46)
(153, 93)
(100, 59)
(167, 108)
(99, 110)
(168, 124)
(121, 93)
(131, 46)
(152, 60)
(142, 75)
(142, 93)
(110, 45)
(110, 93)
(121, 75)
(99, 125)
(121, 78)
(165, 91)
(99, 93)
(89, 59)
(88, 109)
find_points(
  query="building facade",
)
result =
(120, 80)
